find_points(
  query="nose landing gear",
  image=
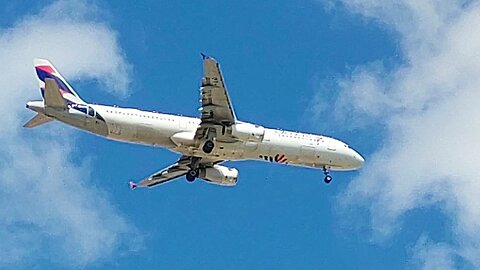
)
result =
(328, 178)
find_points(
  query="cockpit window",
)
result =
(91, 112)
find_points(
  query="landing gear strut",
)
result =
(208, 147)
(328, 177)
(191, 175)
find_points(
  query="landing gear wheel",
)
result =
(208, 147)
(191, 175)
(190, 178)
(328, 179)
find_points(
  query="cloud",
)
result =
(428, 255)
(429, 106)
(51, 209)
(79, 47)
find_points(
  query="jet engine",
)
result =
(247, 132)
(219, 175)
(186, 138)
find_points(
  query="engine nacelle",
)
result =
(247, 132)
(220, 175)
(186, 138)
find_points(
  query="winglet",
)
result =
(132, 185)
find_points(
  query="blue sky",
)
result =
(355, 71)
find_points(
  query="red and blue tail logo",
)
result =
(45, 69)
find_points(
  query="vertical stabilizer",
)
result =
(53, 95)
(45, 70)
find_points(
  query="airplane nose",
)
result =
(355, 160)
(358, 159)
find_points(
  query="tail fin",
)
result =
(45, 70)
(53, 95)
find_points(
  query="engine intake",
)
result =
(219, 175)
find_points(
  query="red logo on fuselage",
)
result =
(280, 158)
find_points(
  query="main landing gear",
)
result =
(194, 171)
(208, 147)
(328, 178)
(191, 175)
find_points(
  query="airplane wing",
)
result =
(176, 170)
(172, 172)
(216, 107)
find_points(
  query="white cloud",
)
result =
(51, 210)
(429, 104)
(431, 256)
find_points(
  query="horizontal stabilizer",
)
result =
(53, 97)
(37, 120)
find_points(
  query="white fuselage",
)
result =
(177, 133)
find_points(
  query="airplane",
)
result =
(204, 143)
